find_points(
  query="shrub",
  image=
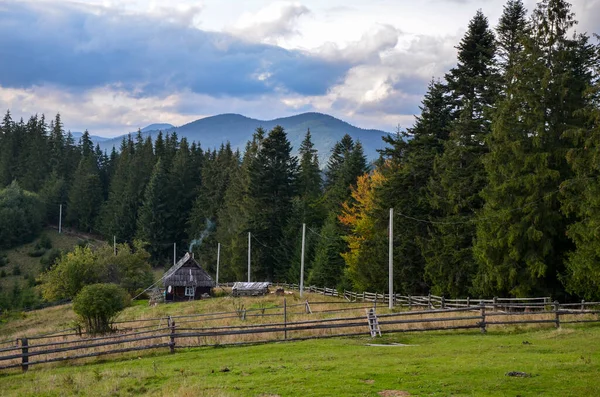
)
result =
(72, 272)
(16, 270)
(50, 258)
(21, 215)
(3, 260)
(37, 252)
(45, 242)
(98, 304)
(2, 273)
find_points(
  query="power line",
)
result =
(320, 235)
(258, 241)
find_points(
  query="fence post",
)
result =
(363, 298)
(24, 357)
(556, 311)
(468, 302)
(409, 303)
(443, 302)
(172, 343)
(429, 305)
(582, 304)
(284, 319)
(482, 323)
(495, 302)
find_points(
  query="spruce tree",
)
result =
(459, 175)
(234, 217)
(273, 185)
(85, 194)
(521, 238)
(407, 169)
(154, 220)
(581, 197)
(511, 31)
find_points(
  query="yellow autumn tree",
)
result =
(357, 217)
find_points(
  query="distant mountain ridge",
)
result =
(212, 131)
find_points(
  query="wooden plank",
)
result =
(95, 354)
(66, 349)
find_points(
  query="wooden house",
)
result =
(187, 280)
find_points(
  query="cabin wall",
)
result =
(178, 294)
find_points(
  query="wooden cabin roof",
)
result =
(187, 272)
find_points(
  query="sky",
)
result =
(113, 66)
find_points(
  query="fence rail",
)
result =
(429, 313)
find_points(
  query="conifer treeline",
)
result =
(496, 187)
(170, 192)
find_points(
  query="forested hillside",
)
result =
(496, 187)
(237, 129)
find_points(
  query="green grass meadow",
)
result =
(561, 362)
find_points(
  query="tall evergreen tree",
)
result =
(154, 220)
(234, 217)
(34, 155)
(582, 197)
(183, 191)
(521, 239)
(85, 195)
(511, 31)
(408, 167)
(346, 164)
(273, 185)
(458, 174)
(8, 150)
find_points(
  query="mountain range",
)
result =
(212, 131)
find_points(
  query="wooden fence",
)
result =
(437, 302)
(307, 320)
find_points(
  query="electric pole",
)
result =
(249, 248)
(391, 259)
(302, 261)
(218, 257)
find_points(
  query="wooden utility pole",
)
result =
(391, 259)
(302, 261)
(218, 258)
(249, 250)
(174, 254)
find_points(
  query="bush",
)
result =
(21, 215)
(37, 252)
(16, 270)
(50, 258)
(3, 273)
(72, 272)
(45, 242)
(3, 260)
(98, 304)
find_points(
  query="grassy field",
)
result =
(563, 362)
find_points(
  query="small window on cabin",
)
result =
(189, 291)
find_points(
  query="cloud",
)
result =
(270, 24)
(80, 47)
(113, 69)
(378, 39)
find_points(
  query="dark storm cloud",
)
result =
(78, 48)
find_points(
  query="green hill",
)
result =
(22, 265)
